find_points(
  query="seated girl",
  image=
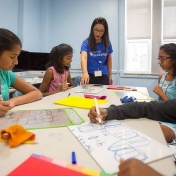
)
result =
(10, 48)
(57, 76)
(166, 88)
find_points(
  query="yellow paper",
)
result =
(90, 172)
(79, 102)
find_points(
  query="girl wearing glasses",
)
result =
(96, 59)
(166, 88)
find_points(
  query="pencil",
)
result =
(65, 83)
(97, 109)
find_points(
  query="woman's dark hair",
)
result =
(105, 37)
(7, 40)
(56, 56)
(170, 49)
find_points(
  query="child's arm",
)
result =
(168, 132)
(67, 84)
(109, 65)
(30, 93)
(158, 90)
(69, 80)
(4, 107)
(48, 77)
(134, 167)
(159, 78)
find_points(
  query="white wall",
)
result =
(43, 24)
(9, 14)
(31, 25)
(70, 22)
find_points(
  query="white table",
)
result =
(58, 143)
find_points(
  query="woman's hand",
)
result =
(110, 80)
(94, 116)
(4, 107)
(85, 78)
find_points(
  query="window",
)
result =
(169, 24)
(138, 56)
(149, 24)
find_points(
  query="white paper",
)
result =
(114, 140)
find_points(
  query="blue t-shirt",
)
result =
(7, 80)
(96, 59)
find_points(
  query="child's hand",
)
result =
(64, 86)
(94, 116)
(4, 107)
(158, 90)
(11, 103)
(134, 167)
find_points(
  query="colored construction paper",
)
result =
(35, 166)
(79, 102)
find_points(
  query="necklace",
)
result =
(168, 84)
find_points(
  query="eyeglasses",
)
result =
(163, 58)
(99, 31)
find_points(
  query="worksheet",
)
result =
(42, 118)
(112, 140)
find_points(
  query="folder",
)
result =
(79, 102)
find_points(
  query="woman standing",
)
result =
(96, 59)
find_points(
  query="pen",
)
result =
(130, 89)
(97, 109)
(65, 83)
(73, 158)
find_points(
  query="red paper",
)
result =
(94, 96)
(34, 166)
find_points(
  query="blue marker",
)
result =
(73, 158)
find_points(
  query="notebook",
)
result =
(42, 118)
